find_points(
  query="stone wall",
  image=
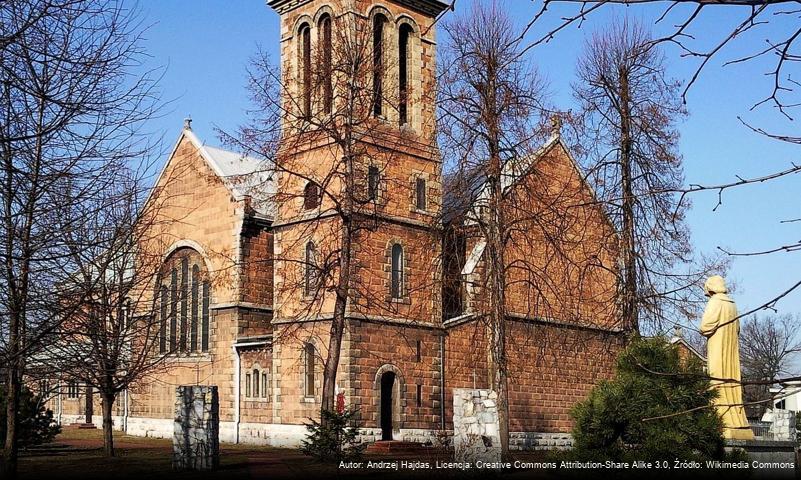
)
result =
(527, 441)
(783, 425)
(196, 435)
(475, 426)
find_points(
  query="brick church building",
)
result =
(238, 259)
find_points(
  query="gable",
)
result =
(246, 178)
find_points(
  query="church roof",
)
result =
(463, 190)
(245, 176)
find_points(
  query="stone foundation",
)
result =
(290, 436)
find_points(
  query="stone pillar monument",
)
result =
(196, 438)
(476, 435)
(722, 328)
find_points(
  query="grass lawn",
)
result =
(78, 453)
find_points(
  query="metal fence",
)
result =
(761, 430)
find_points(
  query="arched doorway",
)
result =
(387, 386)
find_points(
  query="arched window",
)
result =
(397, 271)
(404, 34)
(184, 295)
(310, 270)
(379, 22)
(264, 384)
(173, 309)
(184, 304)
(163, 314)
(308, 360)
(193, 343)
(304, 64)
(372, 182)
(311, 196)
(256, 382)
(326, 71)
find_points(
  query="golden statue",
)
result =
(722, 328)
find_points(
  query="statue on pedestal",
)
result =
(721, 327)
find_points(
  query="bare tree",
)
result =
(628, 126)
(769, 33)
(768, 347)
(333, 129)
(491, 105)
(70, 116)
(112, 339)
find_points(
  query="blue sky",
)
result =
(205, 47)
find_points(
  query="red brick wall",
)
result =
(550, 369)
(375, 345)
(257, 265)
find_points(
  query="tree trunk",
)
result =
(629, 253)
(108, 431)
(90, 405)
(338, 322)
(497, 325)
(496, 281)
(10, 451)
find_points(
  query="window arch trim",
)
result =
(304, 70)
(325, 42)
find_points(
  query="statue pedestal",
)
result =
(739, 434)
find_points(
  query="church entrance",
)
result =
(387, 384)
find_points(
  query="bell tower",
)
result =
(358, 147)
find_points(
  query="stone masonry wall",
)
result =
(196, 438)
(475, 426)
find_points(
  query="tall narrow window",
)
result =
(204, 334)
(379, 21)
(310, 274)
(256, 381)
(326, 70)
(263, 385)
(173, 309)
(247, 385)
(372, 182)
(419, 395)
(305, 69)
(194, 308)
(163, 319)
(184, 303)
(311, 196)
(419, 350)
(404, 34)
(420, 194)
(397, 271)
(308, 353)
